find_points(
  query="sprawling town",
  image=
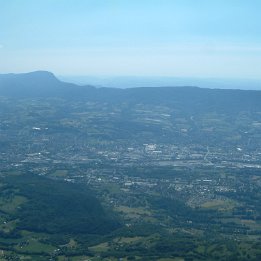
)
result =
(162, 171)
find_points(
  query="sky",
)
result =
(174, 38)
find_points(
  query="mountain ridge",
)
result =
(40, 77)
(34, 84)
(43, 84)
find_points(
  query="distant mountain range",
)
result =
(124, 82)
(34, 84)
(42, 84)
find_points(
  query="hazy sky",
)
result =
(196, 38)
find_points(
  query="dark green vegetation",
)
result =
(57, 207)
(44, 217)
(135, 174)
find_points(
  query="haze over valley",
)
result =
(146, 173)
(130, 130)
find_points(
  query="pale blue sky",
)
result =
(181, 38)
